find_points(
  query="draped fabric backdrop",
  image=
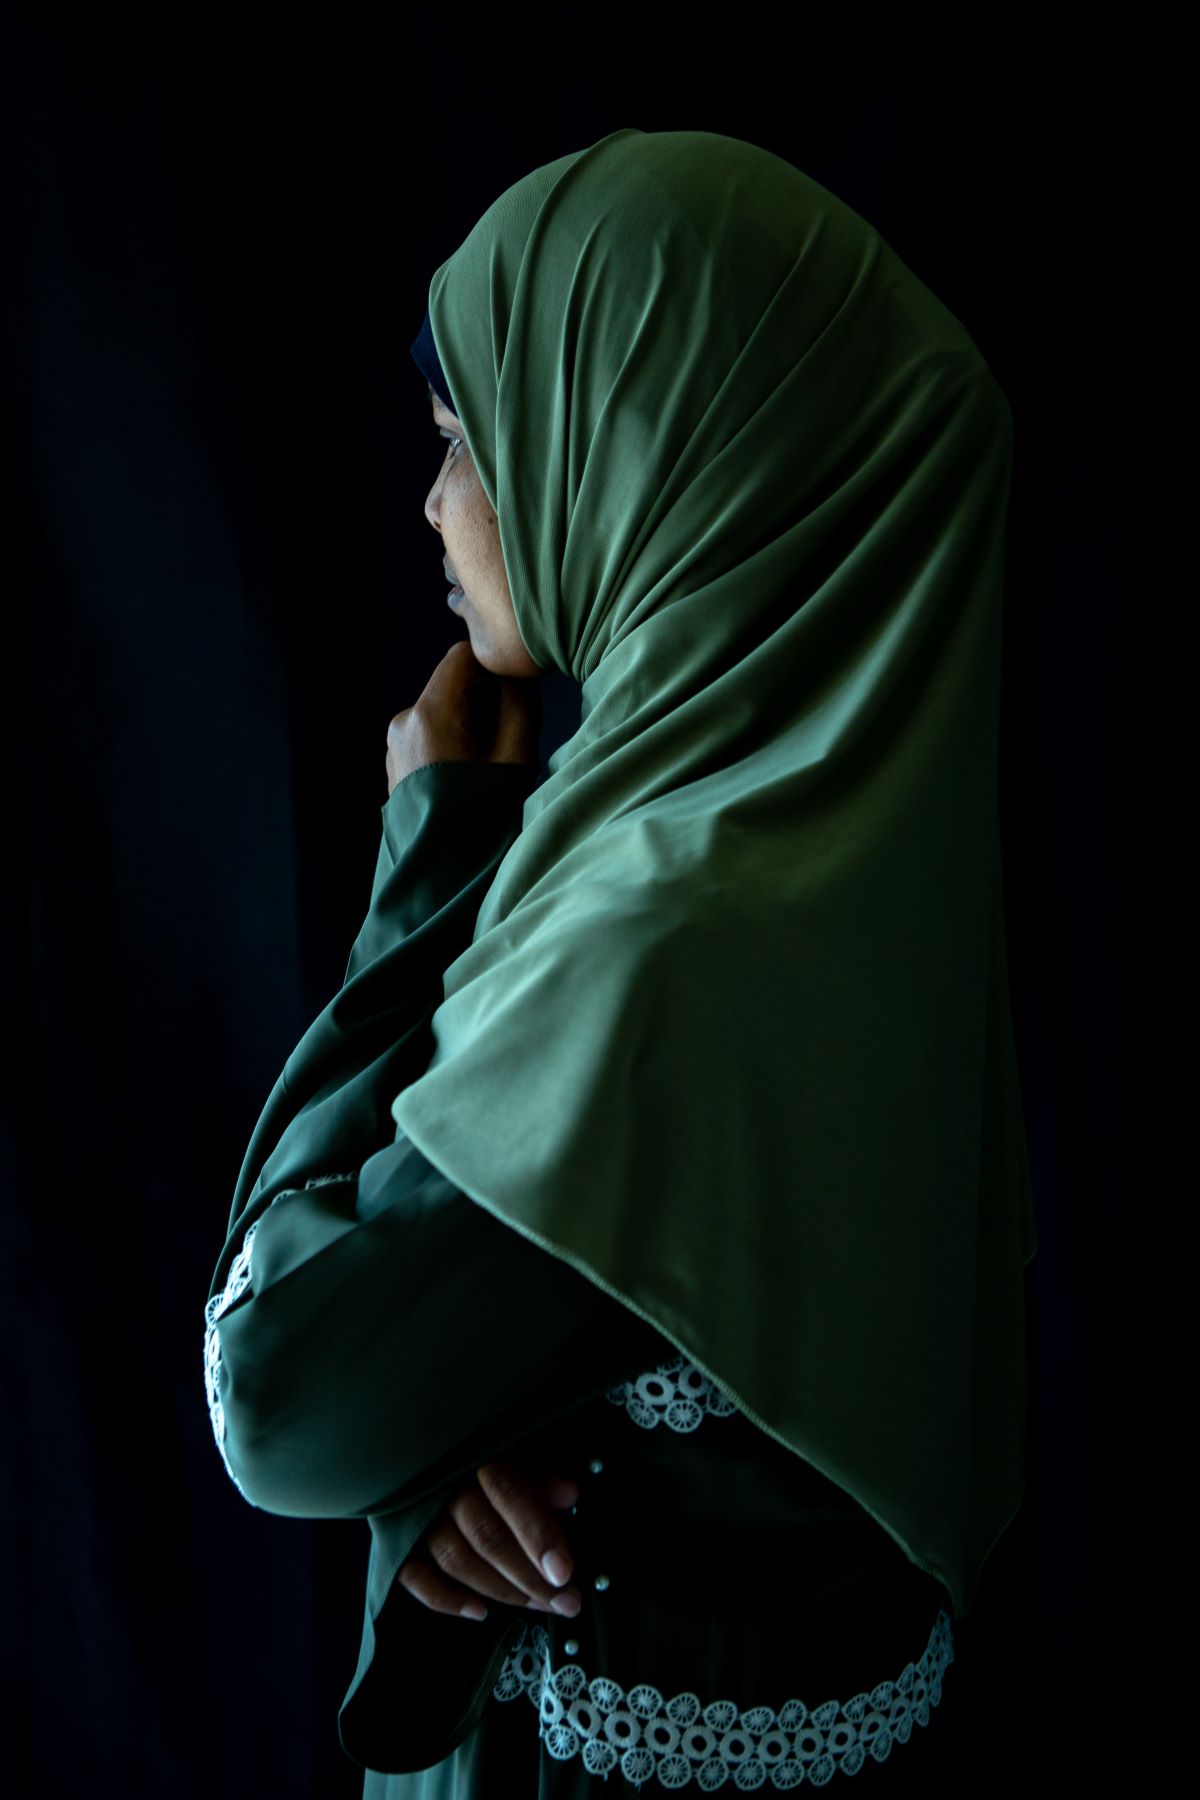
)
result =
(221, 586)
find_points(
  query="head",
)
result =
(460, 510)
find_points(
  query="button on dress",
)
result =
(373, 1335)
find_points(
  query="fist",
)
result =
(466, 714)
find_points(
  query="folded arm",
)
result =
(382, 1335)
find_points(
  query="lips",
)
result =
(450, 575)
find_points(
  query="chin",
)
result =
(483, 656)
(488, 658)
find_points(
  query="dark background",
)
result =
(221, 585)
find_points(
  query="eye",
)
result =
(453, 440)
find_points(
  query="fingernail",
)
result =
(566, 1604)
(558, 1569)
(473, 1610)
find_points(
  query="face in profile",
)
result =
(460, 510)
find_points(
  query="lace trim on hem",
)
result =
(677, 1740)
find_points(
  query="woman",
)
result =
(707, 1204)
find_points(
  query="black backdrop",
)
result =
(217, 240)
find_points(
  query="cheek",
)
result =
(457, 509)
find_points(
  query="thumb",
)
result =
(458, 673)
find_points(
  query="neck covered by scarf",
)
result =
(733, 1036)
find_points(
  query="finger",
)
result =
(483, 706)
(461, 700)
(459, 1562)
(432, 1589)
(519, 720)
(523, 1508)
(460, 668)
(489, 1536)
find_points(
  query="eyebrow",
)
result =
(438, 402)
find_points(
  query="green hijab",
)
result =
(733, 1035)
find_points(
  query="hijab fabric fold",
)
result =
(423, 351)
(733, 1036)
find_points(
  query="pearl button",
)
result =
(572, 1509)
(595, 1466)
(601, 1582)
(571, 1646)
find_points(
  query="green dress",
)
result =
(372, 1336)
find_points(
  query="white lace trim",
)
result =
(676, 1394)
(236, 1283)
(676, 1740)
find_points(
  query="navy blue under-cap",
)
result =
(424, 354)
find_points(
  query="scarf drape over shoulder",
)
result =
(733, 1036)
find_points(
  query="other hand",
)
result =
(466, 714)
(490, 1539)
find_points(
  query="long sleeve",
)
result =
(372, 1335)
(351, 1325)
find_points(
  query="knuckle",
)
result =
(450, 1555)
(490, 1535)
